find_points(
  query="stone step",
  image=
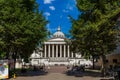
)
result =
(58, 59)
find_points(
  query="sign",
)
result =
(3, 69)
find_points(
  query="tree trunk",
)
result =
(103, 69)
(15, 55)
(7, 57)
(93, 61)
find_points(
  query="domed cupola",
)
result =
(58, 34)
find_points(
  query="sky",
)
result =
(57, 12)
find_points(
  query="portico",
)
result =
(56, 51)
(56, 48)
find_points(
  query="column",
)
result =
(56, 50)
(60, 50)
(64, 51)
(49, 50)
(45, 51)
(41, 54)
(72, 54)
(53, 50)
(68, 51)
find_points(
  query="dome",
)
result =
(58, 34)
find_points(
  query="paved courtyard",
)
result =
(55, 76)
(56, 73)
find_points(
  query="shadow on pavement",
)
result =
(32, 73)
(92, 73)
(83, 73)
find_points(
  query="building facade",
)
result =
(112, 59)
(56, 51)
(56, 48)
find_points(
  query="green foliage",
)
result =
(22, 26)
(2, 55)
(95, 31)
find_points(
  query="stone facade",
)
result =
(56, 51)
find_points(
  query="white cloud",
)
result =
(61, 16)
(48, 1)
(47, 14)
(70, 8)
(75, 1)
(52, 7)
(48, 25)
(68, 17)
(65, 10)
(71, 5)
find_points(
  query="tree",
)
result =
(22, 27)
(2, 55)
(95, 30)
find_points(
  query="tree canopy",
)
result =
(96, 30)
(22, 27)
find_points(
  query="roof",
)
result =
(56, 39)
(58, 34)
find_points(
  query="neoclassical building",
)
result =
(56, 48)
(55, 51)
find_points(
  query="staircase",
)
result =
(58, 59)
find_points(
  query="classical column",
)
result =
(72, 54)
(41, 53)
(45, 50)
(60, 50)
(57, 50)
(68, 51)
(64, 51)
(49, 50)
(53, 50)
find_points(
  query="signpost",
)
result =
(4, 69)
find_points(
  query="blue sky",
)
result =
(57, 11)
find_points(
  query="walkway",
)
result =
(56, 73)
(57, 69)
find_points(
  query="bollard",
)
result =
(14, 76)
